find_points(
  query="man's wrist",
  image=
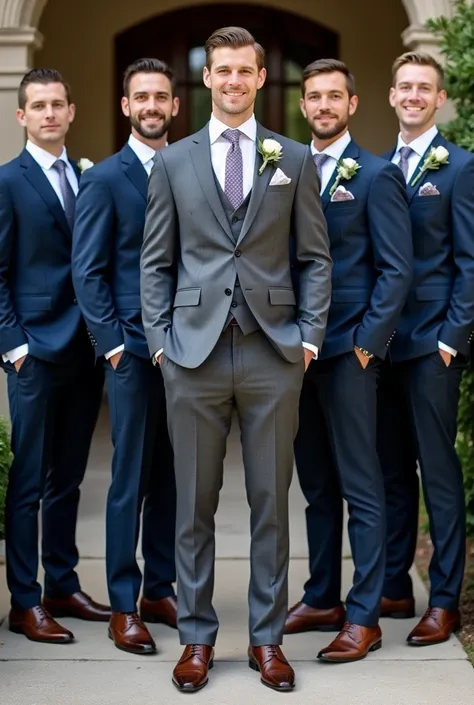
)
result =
(155, 358)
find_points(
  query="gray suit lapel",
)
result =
(201, 157)
(260, 185)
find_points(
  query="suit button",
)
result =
(234, 304)
(235, 219)
(237, 253)
(228, 292)
(74, 301)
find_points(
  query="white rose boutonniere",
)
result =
(271, 151)
(346, 169)
(84, 164)
(437, 157)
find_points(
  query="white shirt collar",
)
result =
(421, 143)
(143, 151)
(45, 159)
(337, 148)
(248, 128)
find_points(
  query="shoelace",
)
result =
(132, 619)
(42, 613)
(431, 614)
(348, 627)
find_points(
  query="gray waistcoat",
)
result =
(241, 312)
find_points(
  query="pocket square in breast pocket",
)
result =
(279, 178)
(428, 189)
(342, 194)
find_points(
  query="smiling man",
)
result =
(217, 297)
(106, 268)
(420, 391)
(54, 389)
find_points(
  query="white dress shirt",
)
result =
(145, 156)
(335, 152)
(45, 160)
(419, 147)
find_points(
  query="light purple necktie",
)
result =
(319, 159)
(67, 193)
(403, 163)
(234, 169)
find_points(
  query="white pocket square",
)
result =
(279, 178)
(342, 194)
(428, 189)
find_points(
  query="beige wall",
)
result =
(79, 42)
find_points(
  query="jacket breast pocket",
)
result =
(187, 297)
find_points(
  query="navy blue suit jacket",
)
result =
(37, 300)
(372, 256)
(108, 235)
(440, 305)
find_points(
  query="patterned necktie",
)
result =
(319, 160)
(67, 193)
(234, 169)
(403, 163)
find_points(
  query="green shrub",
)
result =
(5, 460)
(456, 36)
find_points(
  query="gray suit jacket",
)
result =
(190, 261)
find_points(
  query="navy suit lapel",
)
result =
(352, 151)
(201, 158)
(35, 175)
(437, 141)
(76, 170)
(134, 170)
(259, 186)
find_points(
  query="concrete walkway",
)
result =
(92, 672)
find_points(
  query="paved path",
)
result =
(93, 672)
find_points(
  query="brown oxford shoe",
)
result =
(128, 633)
(191, 672)
(397, 609)
(37, 625)
(275, 671)
(434, 627)
(78, 605)
(353, 643)
(164, 611)
(303, 618)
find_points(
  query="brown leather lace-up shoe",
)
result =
(303, 618)
(191, 672)
(397, 609)
(434, 627)
(78, 605)
(352, 644)
(38, 625)
(275, 671)
(164, 611)
(128, 633)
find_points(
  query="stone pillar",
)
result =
(16, 48)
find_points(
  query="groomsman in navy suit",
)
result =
(366, 209)
(106, 269)
(419, 392)
(54, 389)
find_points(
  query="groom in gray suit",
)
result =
(222, 320)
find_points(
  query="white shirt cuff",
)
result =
(155, 357)
(446, 348)
(116, 350)
(313, 349)
(15, 354)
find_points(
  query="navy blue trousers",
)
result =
(142, 476)
(53, 409)
(335, 452)
(418, 403)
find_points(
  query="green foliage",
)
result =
(456, 37)
(5, 461)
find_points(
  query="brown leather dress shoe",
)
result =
(303, 618)
(434, 627)
(397, 609)
(128, 633)
(191, 672)
(164, 611)
(37, 625)
(352, 644)
(79, 605)
(274, 669)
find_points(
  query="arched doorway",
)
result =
(178, 37)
